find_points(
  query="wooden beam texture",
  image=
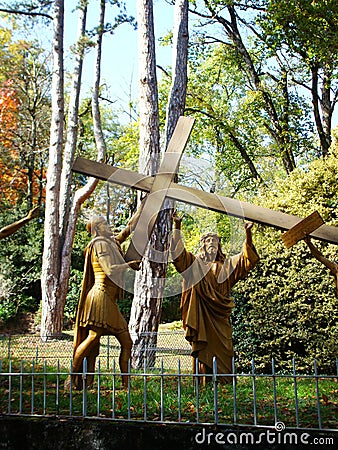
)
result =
(202, 199)
(302, 228)
(159, 188)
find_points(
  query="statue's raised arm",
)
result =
(331, 265)
(13, 227)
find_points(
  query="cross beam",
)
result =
(213, 202)
(159, 189)
(304, 227)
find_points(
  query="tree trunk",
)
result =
(72, 128)
(55, 276)
(178, 90)
(327, 108)
(82, 194)
(146, 306)
(316, 109)
(50, 321)
(150, 280)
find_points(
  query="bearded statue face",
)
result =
(211, 247)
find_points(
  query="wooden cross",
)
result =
(161, 186)
(302, 228)
(159, 189)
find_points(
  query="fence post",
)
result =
(274, 390)
(113, 390)
(317, 395)
(295, 390)
(214, 382)
(197, 385)
(57, 400)
(71, 388)
(9, 348)
(84, 388)
(162, 391)
(108, 351)
(235, 390)
(10, 386)
(21, 387)
(33, 387)
(98, 388)
(254, 389)
(44, 387)
(179, 389)
(129, 395)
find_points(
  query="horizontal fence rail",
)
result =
(300, 401)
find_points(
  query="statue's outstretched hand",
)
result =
(248, 225)
(135, 265)
(33, 213)
(307, 238)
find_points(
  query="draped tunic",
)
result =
(206, 303)
(101, 288)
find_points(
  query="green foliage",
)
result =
(73, 295)
(287, 306)
(232, 118)
(20, 266)
(308, 28)
(307, 190)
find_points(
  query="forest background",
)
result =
(262, 86)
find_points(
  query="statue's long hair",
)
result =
(220, 256)
(93, 224)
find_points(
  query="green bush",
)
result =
(20, 266)
(287, 306)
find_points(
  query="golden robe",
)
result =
(206, 304)
(101, 288)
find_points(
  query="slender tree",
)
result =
(84, 192)
(72, 121)
(51, 321)
(179, 79)
(54, 295)
(146, 303)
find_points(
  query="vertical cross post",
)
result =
(159, 189)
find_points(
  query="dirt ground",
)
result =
(24, 323)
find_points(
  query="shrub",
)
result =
(287, 306)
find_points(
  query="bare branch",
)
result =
(25, 13)
(166, 73)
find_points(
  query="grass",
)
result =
(38, 389)
(170, 344)
(156, 397)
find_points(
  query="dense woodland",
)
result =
(259, 77)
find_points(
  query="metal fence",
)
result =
(170, 345)
(292, 401)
